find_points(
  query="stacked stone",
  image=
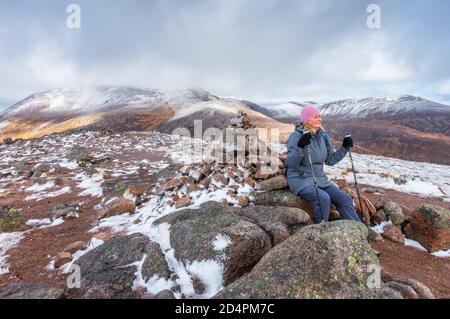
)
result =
(238, 173)
(242, 121)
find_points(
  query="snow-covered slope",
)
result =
(382, 106)
(285, 112)
(228, 106)
(89, 100)
(289, 109)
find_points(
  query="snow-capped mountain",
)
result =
(122, 109)
(382, 106)
(405, 127)
(89, 100)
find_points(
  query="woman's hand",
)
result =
(304, 140)
(348, 142)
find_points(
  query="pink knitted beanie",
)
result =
(307, 113)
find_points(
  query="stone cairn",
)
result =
(244, 166)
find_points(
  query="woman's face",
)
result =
(315, 122)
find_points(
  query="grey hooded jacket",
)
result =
(299, 173)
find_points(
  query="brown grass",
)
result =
(28, 129)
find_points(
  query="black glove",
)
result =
(304, 140)
(348, 142)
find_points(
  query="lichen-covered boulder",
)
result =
(394, 212)
(282, 198)
(430, 225)
(274, 183)
(215, 231)
(330, 260)
(109, 270)
(279, 222)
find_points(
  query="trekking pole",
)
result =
(315, 183)
(354, 176)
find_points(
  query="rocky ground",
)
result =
(143, 217)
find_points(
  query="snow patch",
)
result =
(210, 273)
(442, 253)
(128, 195)
(44, 223)
(415, 244)
(153, 285)
(221, 242)
(380, 228)
(40, 187)
(92, 185)
(68, 164)
(42, 195)
(7, 241)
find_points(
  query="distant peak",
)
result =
(386, 106)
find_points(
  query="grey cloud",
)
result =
(262, 50)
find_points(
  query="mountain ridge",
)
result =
(419, 126)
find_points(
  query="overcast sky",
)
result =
(261, 50)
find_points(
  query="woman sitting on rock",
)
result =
(310, 141)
